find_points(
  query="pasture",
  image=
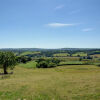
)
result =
(61, 55)
(80, 54)
(96, 55)
(31, 64)
(70, 82)
(28, 53)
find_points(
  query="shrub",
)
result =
(23, 59)
(98, 65)
(56, 61)
(42, 64)
(40, 59)
(47, 63)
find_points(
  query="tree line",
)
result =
(10, 60)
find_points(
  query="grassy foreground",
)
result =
(77, 82)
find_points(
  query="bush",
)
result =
(23, 59)
(39, 60)
(56, 61)
(47, 63)
(51, 64)
(98, 65)
(42, 64)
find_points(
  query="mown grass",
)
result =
(77, 82)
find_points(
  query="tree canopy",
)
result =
(7, 60)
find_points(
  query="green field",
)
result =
(96, 55)
(68, 58)
(71, 63)
(77, 82)
(61, 55)
(80, 54)
(31, 64)
(29, 53)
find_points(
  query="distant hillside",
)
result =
(42, 49)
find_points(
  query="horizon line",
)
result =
(52, 48)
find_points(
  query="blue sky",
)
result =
(49, 23)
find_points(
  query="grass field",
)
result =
(31, 64)
(68, 58)
(96, 55)
(61, 55)
(29, 53)
(80, 54)
(71, 63)
(77, 82)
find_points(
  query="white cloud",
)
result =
(59, 25)
(59, 7)
(87, 29)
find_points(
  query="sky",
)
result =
(49, 23)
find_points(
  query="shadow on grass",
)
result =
(5, 76)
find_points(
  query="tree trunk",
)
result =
(5, 69)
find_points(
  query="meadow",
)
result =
(80, 54)
(28, 53)
(96, 55)
(69, 82)
(61, 55)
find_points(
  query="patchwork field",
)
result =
(80, 54)
(96, 55)
(77, 82)
(61, 55)
(29, 53)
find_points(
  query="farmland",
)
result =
(96, 55)
(80, 54)
(49, 49)
(28, 53)
(75, 77)
(61, 55)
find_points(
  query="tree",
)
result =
(7, 60)
(47, 63)
(40, 59)
(56, 61)
(23, 59)
(42, 64)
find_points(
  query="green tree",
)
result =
(22, 59)
(56, 61)
(7, 60)
(47, 63)
(42, 64)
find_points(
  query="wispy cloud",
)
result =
(87, 29)
(59, 7)
(59, 25)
